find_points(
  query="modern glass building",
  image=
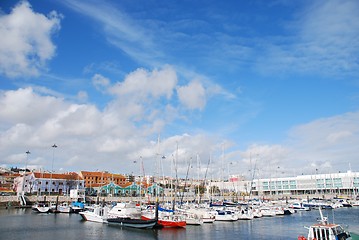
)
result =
(331, 183)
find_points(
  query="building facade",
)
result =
(332, 183)
(48, 183)
(102, 178)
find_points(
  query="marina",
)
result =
(179, 120)
(17, 223)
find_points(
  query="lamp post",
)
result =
(52, 166)
(23, 179)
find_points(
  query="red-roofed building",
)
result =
(45, 183)
(95, 180)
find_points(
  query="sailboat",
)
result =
(166, 218)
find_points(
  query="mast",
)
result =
(253, 174)
(141, 163)
(185, 183)
(222, 172)
(198, 185)
(176, 183)
(205, 176)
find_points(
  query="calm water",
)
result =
(24, 224)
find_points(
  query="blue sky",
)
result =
(265, 85)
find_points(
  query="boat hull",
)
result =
(132, 223)
(168, 223)
(41, 208)
(91, 217)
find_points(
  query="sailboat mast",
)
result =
(205, 177)
(198, 185)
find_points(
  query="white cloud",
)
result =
(82, 96)
(320, 40)
(24, 106)
(92, 139)
(142, 84)
(329, 141)
(327, 144)
(120, 30)
(338, 136)
(192, 96)
(25, 43)
(89, 138)
(100, 82)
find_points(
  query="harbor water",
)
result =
(16, 223)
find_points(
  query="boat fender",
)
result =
(302, 238)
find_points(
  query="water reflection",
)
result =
(23, 223)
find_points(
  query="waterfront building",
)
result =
(342, 183)
(48, 183)
(95, 180)
(129, 189)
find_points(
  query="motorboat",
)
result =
(226, 215)
(300, 206)
(95, 213)
(77, 206)
(60, 208)
(129, 215)
(267, 212)
(207, 215)
(245, 214)
(125, 210)
(325, 231)
(41, 207)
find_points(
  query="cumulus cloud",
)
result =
(25, 106)
(25, 43)
(110, 139)
(142, 84)
(85, 135)
(143, 104)
(193, 96)
(144, 97)
(326, 142)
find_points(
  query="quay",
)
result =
(13, 201)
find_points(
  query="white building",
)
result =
(331, 183)
(45, 183)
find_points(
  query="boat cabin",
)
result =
(327, 232)
(323, 230)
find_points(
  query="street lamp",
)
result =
(27, 159)
(52, 166)
(23, 179)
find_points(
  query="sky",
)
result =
(204, 89)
